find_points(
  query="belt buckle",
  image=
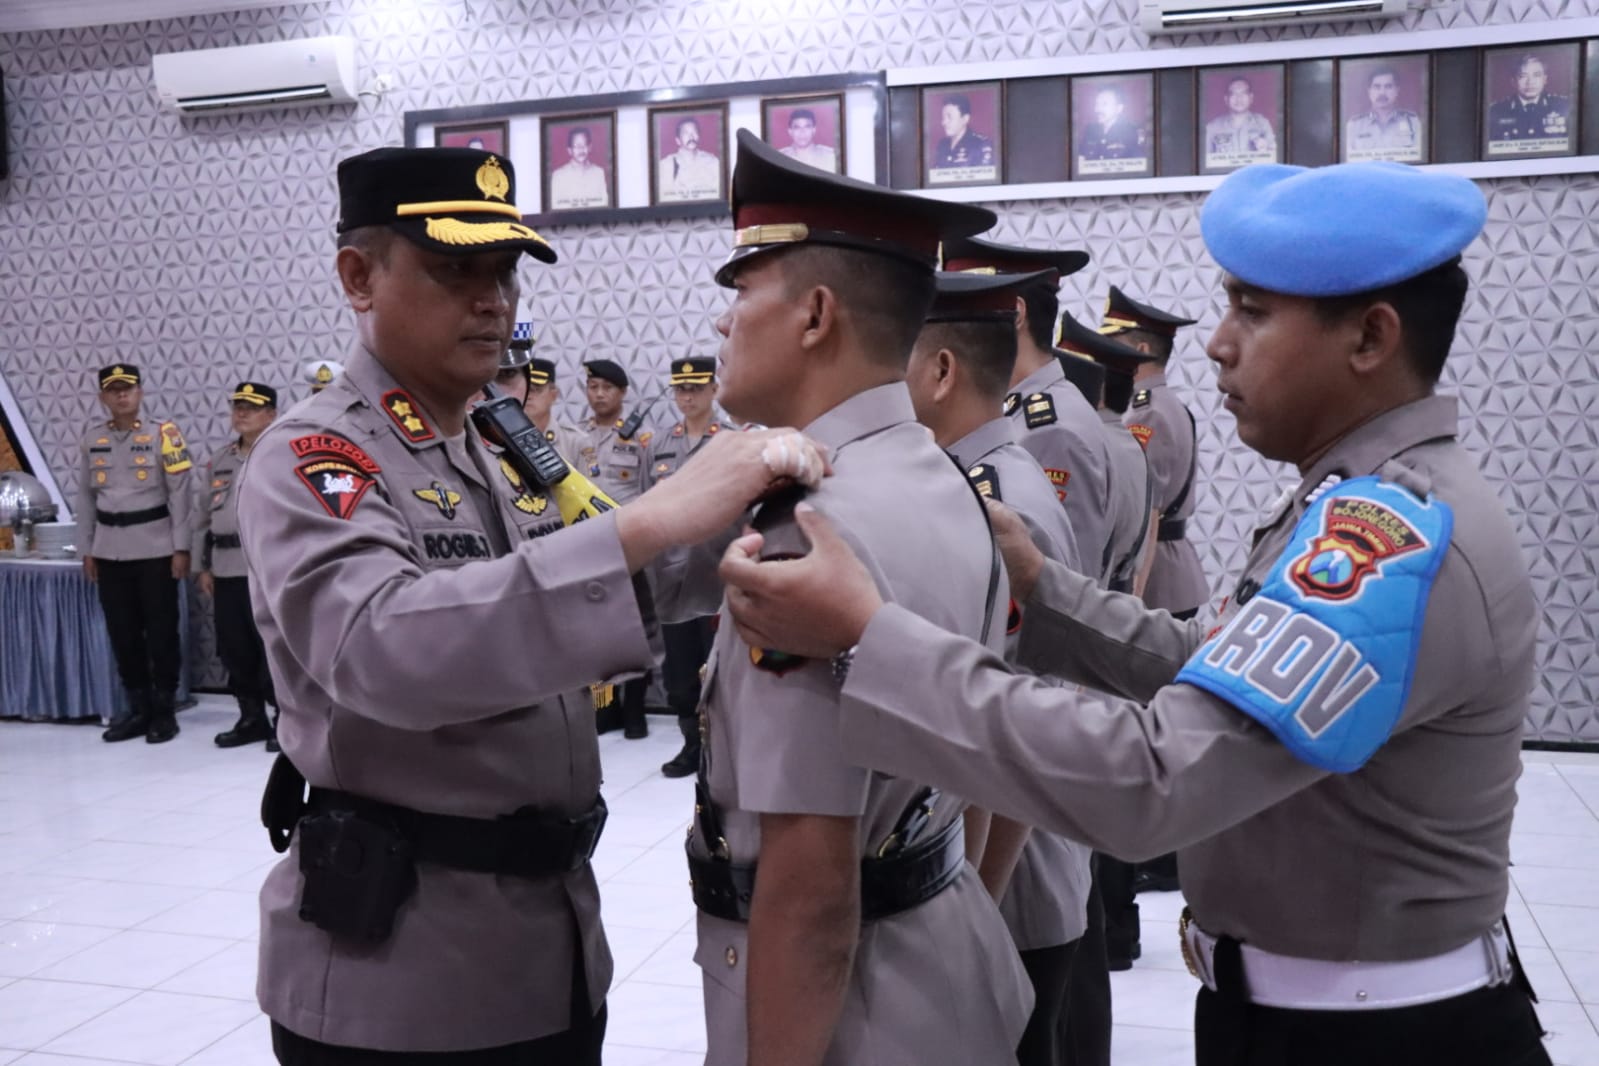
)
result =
(1189, 961)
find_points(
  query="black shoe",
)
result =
(129, 728)
(163, 718)
(636, 728)
(1144, 881)
(607, 719)
(247, 731)
(272, 740)
(1118, 961)
(684, 763)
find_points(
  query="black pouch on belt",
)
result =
(357, 871)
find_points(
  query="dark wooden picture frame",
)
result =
(556, 138)
(496, 137)
(829, 124)
(1547, 126)
(970, 156)
(1105, 144)
(1405, 135)
(1228, 138)
(703, 114)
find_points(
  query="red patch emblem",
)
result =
(1059, 478)
(1013, 620)
(1357, 536)
(337, 472)
(1142, 433)
(407, 415)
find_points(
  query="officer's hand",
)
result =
(1023, 561)
(206, 584)
(90, 570)
(180, 565)
(714, 488)
(815, 606)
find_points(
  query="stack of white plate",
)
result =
(55, 540)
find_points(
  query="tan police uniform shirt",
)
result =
(1405, 858)
(1046, 904)
(1132, 497)
(569, 442)
(665, 454)
(125, 471)
(1160, 422)
(432, 630)
(616, 465)
(940, 984)
(216, 514)
(1058, 427)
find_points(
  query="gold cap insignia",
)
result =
(491, 180)
(688, 368)
(116, 371)
(324, 375)
(248, 390)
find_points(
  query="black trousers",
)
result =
(578, 1046)
(1114, 880)
(1085, 1023)
(238, 643)
(140, 601)
(688, 645)
(1488, 1027)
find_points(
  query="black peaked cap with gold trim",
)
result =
(781, 203)
(979, 297)
(120, 374)
(1115, 356)
(456, 201)
(968, 255)
(695, 370)
(255, 392)
(1123, 313)
(540, 371)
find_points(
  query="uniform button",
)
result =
(732, 956)
(594, 591)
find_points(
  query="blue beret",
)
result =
(1339, 230)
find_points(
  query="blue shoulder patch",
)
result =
(1324, 653)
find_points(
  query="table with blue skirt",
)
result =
(55, 654)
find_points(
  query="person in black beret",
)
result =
(221, 573)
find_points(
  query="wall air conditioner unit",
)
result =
(1201, 16)
(250, 77)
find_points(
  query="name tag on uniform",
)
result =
(623, 458)
(1324, 654)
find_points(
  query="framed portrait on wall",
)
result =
(962, 134)
(688, 152)
(1240, 117)
(1111, 117)
(579, 161)
(1532, 94)
(1383, 102)
(807, 128)
(487, 136)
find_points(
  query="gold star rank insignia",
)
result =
(403, 411)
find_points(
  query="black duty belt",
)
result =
(1171, 529)
(524, 844)
(889, 884)
(131, 518)
(226, 540)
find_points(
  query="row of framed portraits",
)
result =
(689, 148)
(1117, 126)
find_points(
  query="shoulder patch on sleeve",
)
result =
(1040, 410)
(1141, 433)
(985, 479)
(174, 450)
(1141, 398)
(1060, 479)
(336, 470)
(1323, 655)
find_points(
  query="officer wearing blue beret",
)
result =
(1336, 758)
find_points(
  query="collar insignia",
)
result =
(1012, 402)
(440, 497)
(403, 410)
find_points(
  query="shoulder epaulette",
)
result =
(1141, 398)
(1039, 410)
(985, 479)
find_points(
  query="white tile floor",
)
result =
(128, 923)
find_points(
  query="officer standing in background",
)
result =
(1166, 428)
(957, 376)
(133, 523)
(617, 464)
(833, 278)
(688, 643)
(222, 576)
(431, 629)
(1338, 757)
(1055, 423)
(320, 373)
